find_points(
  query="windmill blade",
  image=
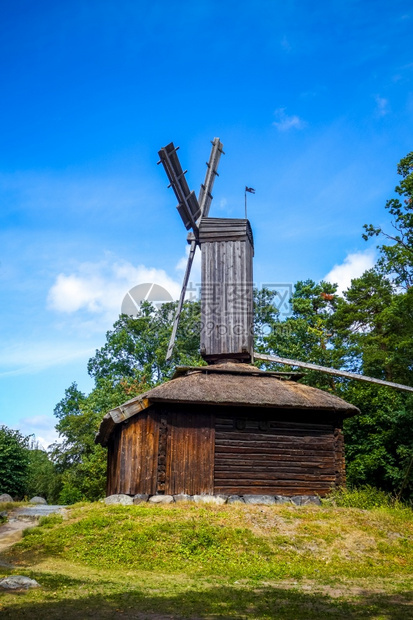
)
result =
(204, 200)
(205, 195)
(331, 371)
(188, 205)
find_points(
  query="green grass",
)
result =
(8, 506)
(365, 497)
(234, 561)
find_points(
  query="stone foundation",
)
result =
(267, 500)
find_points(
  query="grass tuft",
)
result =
(365, 498)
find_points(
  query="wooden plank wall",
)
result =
(276, 454)
(227, 291)
(133, 455)
(190, 452)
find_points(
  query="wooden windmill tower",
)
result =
(226, 428)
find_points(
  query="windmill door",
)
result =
(190, 453)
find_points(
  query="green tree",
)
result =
(14, 462)
(375, 322)
(79, 461)
(308, 334)
(136, 347)
(379, 442)
(396, 257)
(42, 478)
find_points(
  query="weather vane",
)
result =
(251, 190)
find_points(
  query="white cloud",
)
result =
(42, 427)
(70, 293)
(99, 288)
(382, 106)
(354, 266)
(285, 122)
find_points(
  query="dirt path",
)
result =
(19, 520)
(11, 533)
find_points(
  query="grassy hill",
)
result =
(203, 561)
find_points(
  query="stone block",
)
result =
(161, 499)
(5, 497)
(267, 500)
(119, 498)
(182, 497)
(310, 499)
(140, 498)
(282, 499)
(210, 499)
(235, 499)
(17, 582)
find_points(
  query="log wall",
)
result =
(277, 453)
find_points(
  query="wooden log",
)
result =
(296, 442)
(278, 475)
(229, 424)
(280, 465)
(237, 489)
(234, 451)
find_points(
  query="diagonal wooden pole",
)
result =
(330, 371)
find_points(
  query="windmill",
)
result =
(227, 428)
(227, 285)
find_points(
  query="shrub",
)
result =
(365, 497)
(69, 494)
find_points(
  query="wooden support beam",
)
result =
(330, 371)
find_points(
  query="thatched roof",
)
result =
(228, 384)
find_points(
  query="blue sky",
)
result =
(314, 105)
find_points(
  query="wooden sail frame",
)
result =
(200, 207)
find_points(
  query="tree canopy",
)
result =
(396, 254)
(14, 462)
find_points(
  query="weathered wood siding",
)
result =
(230, 450)
(277, 453)
(340, 457)
(133, 455)
(163, 451)
(190, 452)
(227, 289)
